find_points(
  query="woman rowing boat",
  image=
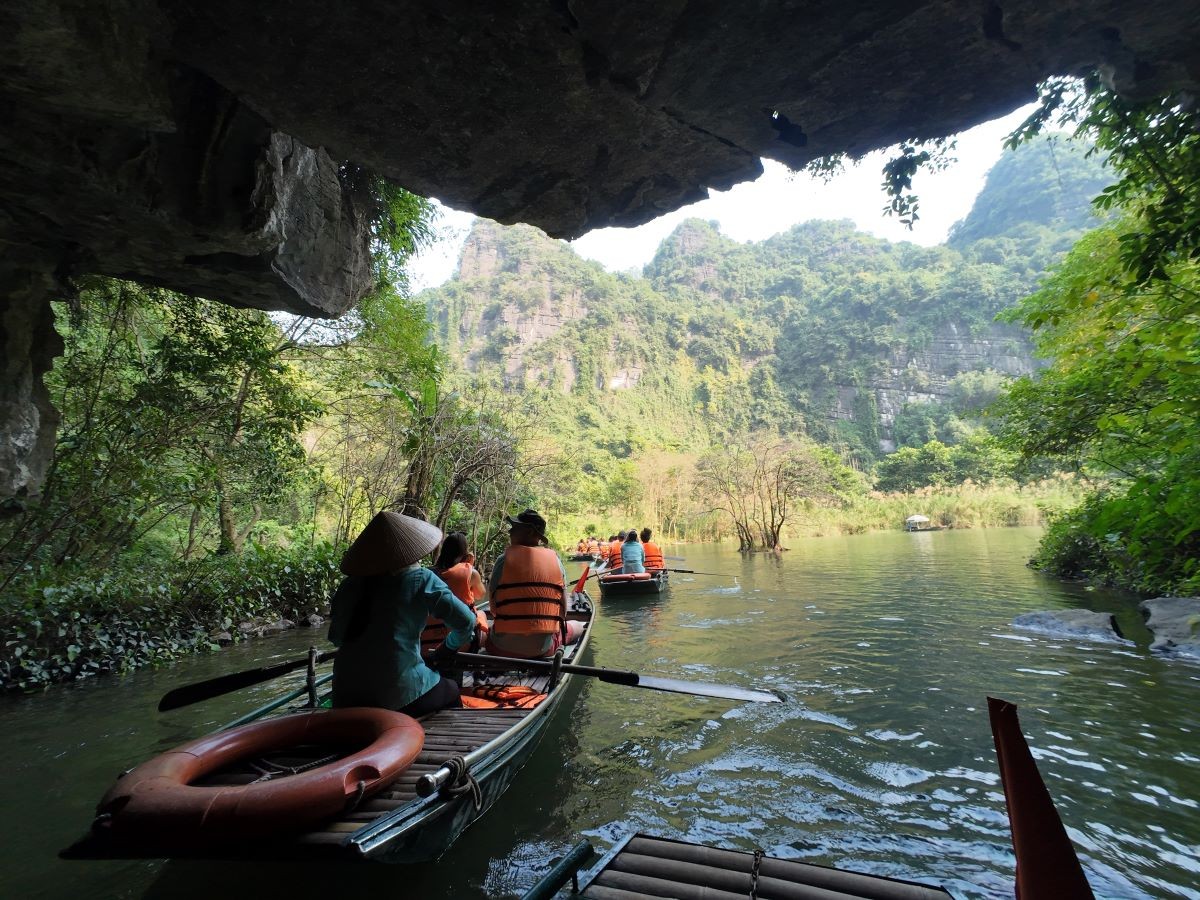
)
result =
(379, 612)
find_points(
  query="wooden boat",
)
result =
(616, 586)
(921, 523)
(645, 867)
(584, 557)
(423, 811)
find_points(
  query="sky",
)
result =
(779, 199)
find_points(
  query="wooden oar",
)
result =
(226, 684)
(617, 676)
(602, 572)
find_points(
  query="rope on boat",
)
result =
(360, 792)
(461, 782)
(758, 858)
(268, 771)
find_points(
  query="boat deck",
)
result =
(448, 733)
(645, 867)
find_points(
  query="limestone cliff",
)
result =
(822, 327)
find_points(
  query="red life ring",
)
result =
(157, 802)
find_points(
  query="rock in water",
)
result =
(1073, 624)
(1175, 622)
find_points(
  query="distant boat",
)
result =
(920, 523)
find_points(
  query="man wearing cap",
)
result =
(379, 611)
(528, 594)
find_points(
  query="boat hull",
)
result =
(614, 590)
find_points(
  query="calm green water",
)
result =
(881, 760)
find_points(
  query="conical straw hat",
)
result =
(390, 541)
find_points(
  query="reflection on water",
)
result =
(880, 760)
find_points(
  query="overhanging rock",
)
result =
(573, 115)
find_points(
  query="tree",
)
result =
(761, 484)
(1121, 400)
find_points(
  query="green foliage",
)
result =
(172, 408)
(1099, 541)
(898, 173)
(1155, 147)
(400, 223)
(60, 626)
(1047, 183)
(1121, 320)
(978, 458)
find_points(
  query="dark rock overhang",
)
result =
(577, 115)
(196, 144)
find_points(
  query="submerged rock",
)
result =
(1175, 622)
(1073, 624)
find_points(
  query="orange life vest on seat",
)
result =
(654, 555)
(458, 579)
(529, 598)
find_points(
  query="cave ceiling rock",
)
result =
(578, 115)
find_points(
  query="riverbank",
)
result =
(967, 505)
(59, 628)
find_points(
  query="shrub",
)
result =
(59, 629)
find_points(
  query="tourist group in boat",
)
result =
(626, 552)
(399, 626)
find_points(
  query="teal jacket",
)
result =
(633, 558)
(376, 626)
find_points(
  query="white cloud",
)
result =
(754, 211)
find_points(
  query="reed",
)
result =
(967, 505)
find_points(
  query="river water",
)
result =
(881, 759)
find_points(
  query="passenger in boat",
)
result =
(528, 592)
(593, 545)
(654, 554)
(633, 557)
(379, 612)
(465, 582)
(581, 547)
(615, 543)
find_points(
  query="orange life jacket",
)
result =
(581, 547)
(458, 579)
(594, 545)
(529, 598)
(614, 553)
(654, 555)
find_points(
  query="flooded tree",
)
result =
(762, 483)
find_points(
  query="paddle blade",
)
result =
(702, 689)
(227, 684)
(582, 579)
